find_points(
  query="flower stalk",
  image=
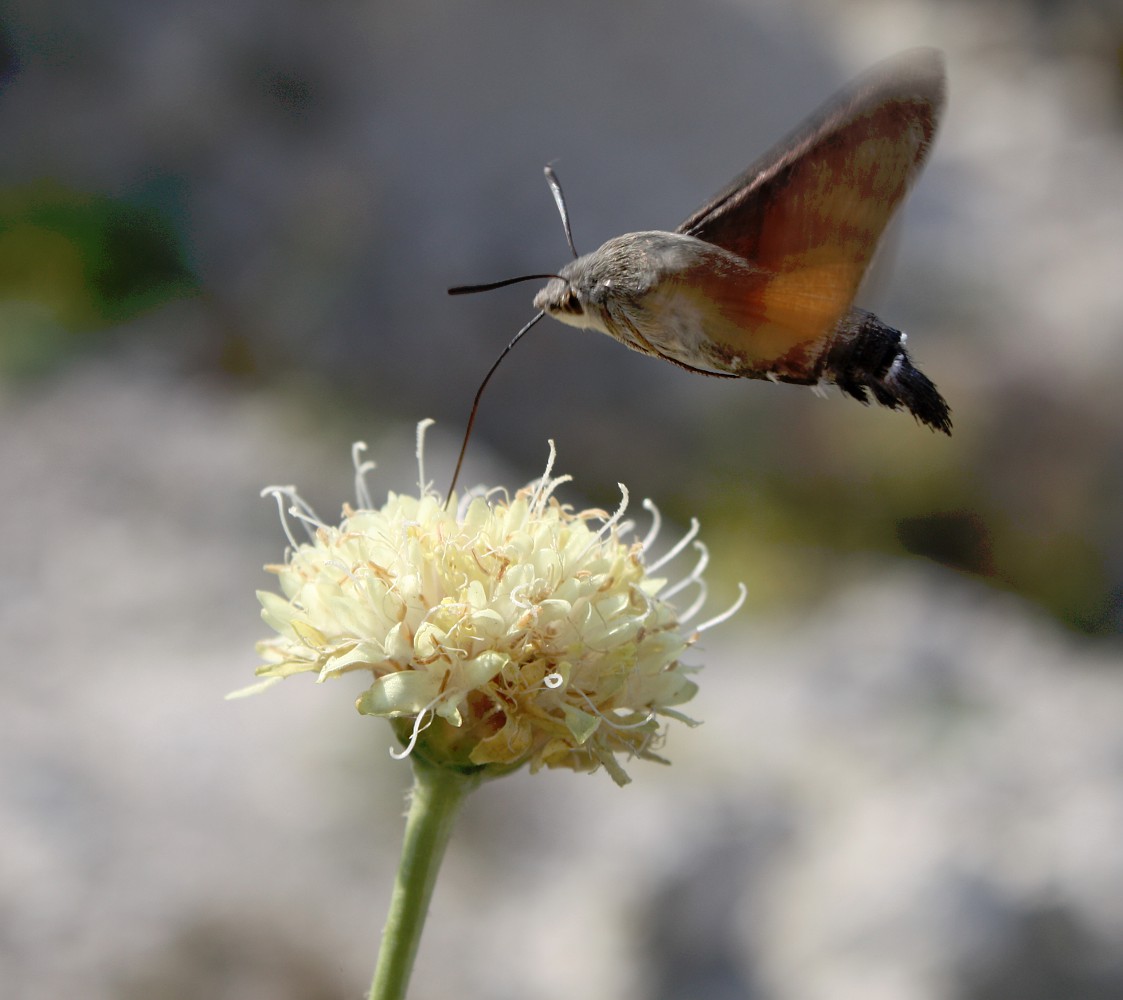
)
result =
(434, 802)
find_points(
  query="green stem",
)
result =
(434, 802)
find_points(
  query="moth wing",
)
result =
(773, 324)
(810, 212)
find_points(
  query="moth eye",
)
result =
(571, 303)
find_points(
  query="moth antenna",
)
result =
(476, 401)
(559, 200)
(491, 285)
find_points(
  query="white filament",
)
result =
(728, 613)
(362, 494)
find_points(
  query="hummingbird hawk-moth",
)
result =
(760, 281)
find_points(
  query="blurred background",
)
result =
(226, 231)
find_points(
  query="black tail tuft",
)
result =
(868, 355)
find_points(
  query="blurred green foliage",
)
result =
(74, 264)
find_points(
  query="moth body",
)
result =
(643, 290)
(760, 281)
(690, 302)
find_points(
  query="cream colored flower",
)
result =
(498, 631)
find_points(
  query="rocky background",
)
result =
(225, 234)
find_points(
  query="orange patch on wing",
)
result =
(778, 322)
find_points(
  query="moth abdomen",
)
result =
(868, 356)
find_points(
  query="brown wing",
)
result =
(809, 214)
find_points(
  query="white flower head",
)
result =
(498, 632)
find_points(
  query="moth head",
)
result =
(563, 300)
(580, 295)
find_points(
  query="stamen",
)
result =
(682, 544)
(726, 615)
(609, 522)
(278, 493)
(346, 570)
(422, 427)
(418, 729)
(624, 726)
(362, 494)
(464, 503)
(610, 721)
(607, 526)
(544, 481)
(299, 509)
(656, 524)
(306, 516)
(696, 574)
(550, 487)
(700, 600)
(496, 491)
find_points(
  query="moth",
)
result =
(760, 281)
